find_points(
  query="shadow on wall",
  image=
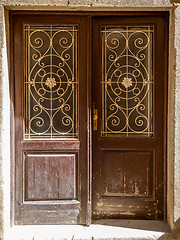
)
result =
(167, 236)
(147, 225)
(157, 226)
(176, 230)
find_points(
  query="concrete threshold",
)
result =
(122, 230)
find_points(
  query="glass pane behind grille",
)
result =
(51, 82)
(127, 85)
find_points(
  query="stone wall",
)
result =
(173, 95)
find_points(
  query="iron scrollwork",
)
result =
(51, 82)
(127, 90)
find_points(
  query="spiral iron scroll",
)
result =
(127, 89)
(51, 82)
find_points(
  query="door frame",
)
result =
(89, 14)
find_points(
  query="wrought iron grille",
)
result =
(127, 81)
(51, 82)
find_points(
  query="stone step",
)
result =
(115, 230)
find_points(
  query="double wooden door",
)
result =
(89, 116)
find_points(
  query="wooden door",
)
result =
(51, 131)
(49, 88)
(129, 115)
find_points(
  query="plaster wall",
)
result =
(177, 118)
(173, 160)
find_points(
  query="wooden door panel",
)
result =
(126, 208)
(50, 102)
(129, 101)
(126, 184)
(126, 173)
(50, 212)
(50, 177)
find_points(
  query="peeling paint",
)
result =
(135, 189)
(114, 206)
(124, 182)
(100, 204)
(127, 213)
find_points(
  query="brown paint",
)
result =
(47, 202)
(129, 171)
(143, 200)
